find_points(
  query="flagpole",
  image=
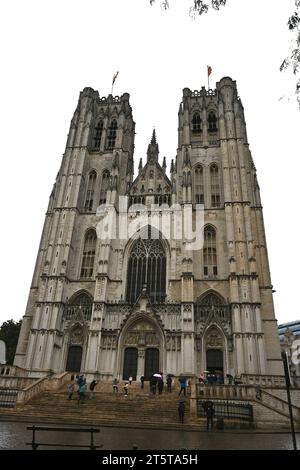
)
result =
(208, 77)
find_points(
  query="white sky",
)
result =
(52, 49)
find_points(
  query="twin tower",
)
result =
(130, 307)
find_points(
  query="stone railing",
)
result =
(244, 392)
(57, 381)
(15, 371)
(16, 383)
(54, 382)
(226, 392)
(31, 391)
(277, 404)
(263, 380)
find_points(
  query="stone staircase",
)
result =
(138, 409)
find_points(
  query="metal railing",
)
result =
(8, 398)
(34, 444)
(239, 411)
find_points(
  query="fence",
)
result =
(239, 411)
(8, 398)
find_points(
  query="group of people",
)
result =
(211, 378)
(78, 384)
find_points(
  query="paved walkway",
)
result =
(15, 436)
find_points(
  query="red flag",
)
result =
(114, 77)
(209, 70)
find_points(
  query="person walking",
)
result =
(82, 392)
(71, 388)
(160, 386)
(115, 385)
(126, 389)
(130, 380)
(169, 383)
(182, 381)
(142, 382)
(210, 416)
(92, 387)
(181, 410)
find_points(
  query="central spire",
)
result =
(152, 152)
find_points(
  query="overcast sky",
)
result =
(50, 50)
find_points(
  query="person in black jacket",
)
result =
(181, 410)
(92, 387)
(210, 415)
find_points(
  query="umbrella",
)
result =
(157, 375)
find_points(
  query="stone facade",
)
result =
(213, 308)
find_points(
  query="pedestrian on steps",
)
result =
(126, 389)
(71, 388)
(181, 410)
(115, 385)
(92, 387)
(130, 380)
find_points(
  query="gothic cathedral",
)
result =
(115, 308)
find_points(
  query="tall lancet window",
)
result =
(88, 257)
(147, 268)
(88, 206)
(112, 135)
(104, 186)
(215, 186)
(97, 135)
(212, 122)
(210, 267)
(196, 123)
(199, 185)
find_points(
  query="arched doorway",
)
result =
(141, 349)
(130, 363)
(214, 361)
(151, 362)
(74, 359)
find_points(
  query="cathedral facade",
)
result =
(119, 307)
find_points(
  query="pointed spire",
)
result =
(153, 138)
(152, 152)
(141, 164)
(172, 166)
(164, 165)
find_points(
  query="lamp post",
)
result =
(288, 384)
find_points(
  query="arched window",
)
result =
(199, 185)
(79, 304)
(212, 122)
(97, 135)
(147, 267)
(88, 206)
(112, 134)
(210, 268)
(88, 257)
(196, 123)
(104, 186)
(215, 186)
